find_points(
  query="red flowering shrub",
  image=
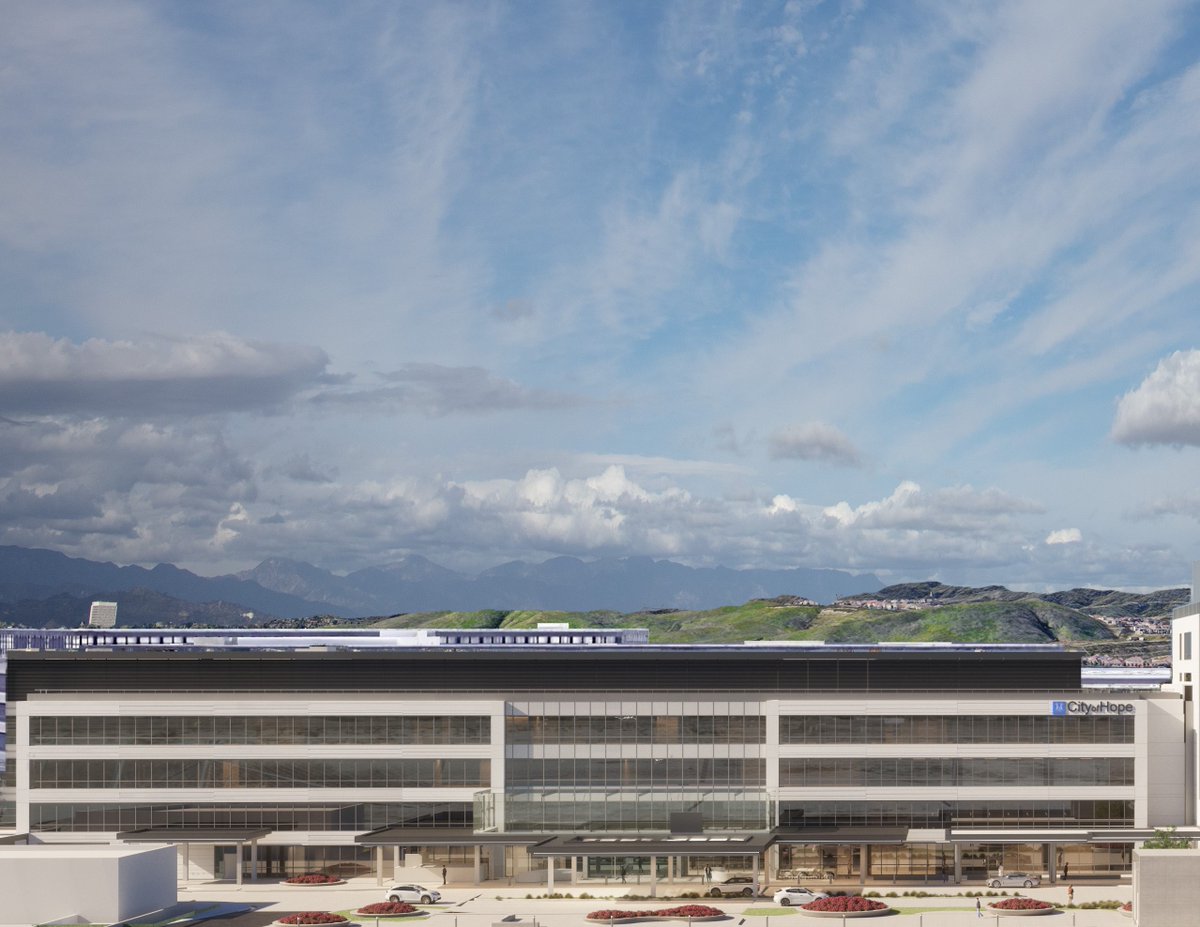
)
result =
(387, 907)
(313, 917)
(312, 878)
(1020, 904)
(1127, 906)
(844, 904)
(690, 910)
(686, 910)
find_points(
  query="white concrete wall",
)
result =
(1166, 888)
(1166, 763)
(97, 884)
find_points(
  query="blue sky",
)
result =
(907, 288)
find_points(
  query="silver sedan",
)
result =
(1015, 880)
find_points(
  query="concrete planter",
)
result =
(1022, 912)
(312, 884)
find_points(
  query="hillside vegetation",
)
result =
(1023, 621)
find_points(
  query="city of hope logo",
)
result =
(1091, 708)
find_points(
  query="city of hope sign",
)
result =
(1075, 707)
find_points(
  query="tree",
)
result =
(1164, 839)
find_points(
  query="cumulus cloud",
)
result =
(953, 509)
(1065, 536)
(119, 490)
(817, 441)
(40, 375)
(434, 389)
(1165, 407)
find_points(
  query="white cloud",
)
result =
(953, 509)
(1165, 407)
(1064, 536)
(817, 441)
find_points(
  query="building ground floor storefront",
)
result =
(561, 861)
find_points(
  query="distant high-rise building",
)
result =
(103, 615)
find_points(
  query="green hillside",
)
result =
(1028, 620)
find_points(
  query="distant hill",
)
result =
(1026, 621)
(294, 589)
(1107, 602)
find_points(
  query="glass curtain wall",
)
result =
(616, 766)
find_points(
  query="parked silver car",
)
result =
(1015, 879)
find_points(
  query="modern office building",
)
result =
(572, 754)
(102, 615)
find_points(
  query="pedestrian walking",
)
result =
(443, 875)
(707, 874)
(978, 908)
(623, 871)
(1066, 870)
(1070, 894)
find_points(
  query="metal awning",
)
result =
(401, 835)
(654, 845)
(13, 839)
(1016, 835)
(847, 835)
(210, 835)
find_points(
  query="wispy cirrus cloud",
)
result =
(434, 389)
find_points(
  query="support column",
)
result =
(1051, 854)
(187, 862)
(670, 872)
(478, 866)
(754, 883)
(396, 863)
(379, 866)
(653, 876)
(958, 864)
(550, 875)
(238, 864)
(254, 860)
(864, 862)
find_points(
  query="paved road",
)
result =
(490, 904)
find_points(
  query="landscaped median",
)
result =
(844, 906)
(314, 878)
(386, 909)
(687, 912)
(1021, 907)
(313, 918)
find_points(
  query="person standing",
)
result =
(443, 875)
(623, 870)
(1066, 870)
(978, 908)
(707, 874)
(1070, 894)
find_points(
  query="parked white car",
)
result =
(796, 895)
(413, 894)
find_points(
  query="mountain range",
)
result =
(46, 588)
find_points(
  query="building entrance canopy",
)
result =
(651, 845)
